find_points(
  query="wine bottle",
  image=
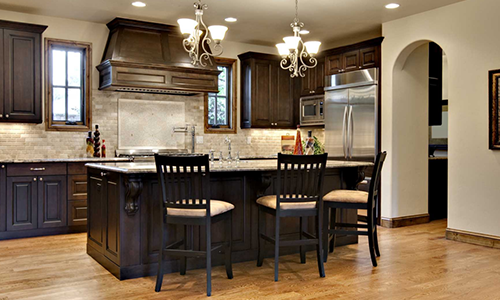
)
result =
(103, 149)
(89, 142)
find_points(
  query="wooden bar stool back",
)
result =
(298, 189)
(349, 199)
(186, 200)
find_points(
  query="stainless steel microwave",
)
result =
(311, 110)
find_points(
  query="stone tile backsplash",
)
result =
(23, 141)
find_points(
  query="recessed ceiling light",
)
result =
(139, 4)
(231, 19)
(303, 31)
(392, 6)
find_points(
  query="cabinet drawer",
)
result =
(36, 169)
(77, 187)
(77, 169)
(77, 213)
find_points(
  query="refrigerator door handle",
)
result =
(350, 130)
(344, 132)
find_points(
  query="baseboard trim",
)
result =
(405, 221)
(473, 238)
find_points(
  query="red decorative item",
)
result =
(298, 143)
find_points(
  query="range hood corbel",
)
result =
(149, 58)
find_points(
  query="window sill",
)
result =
(213, 130)
(68, 128)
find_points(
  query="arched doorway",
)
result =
(405, 182)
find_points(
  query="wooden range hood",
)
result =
(148, 57)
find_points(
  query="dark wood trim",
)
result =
(364, 44)
(233, 63)
(35, 28)
(473, 238)
(41, 232)
(50, 125)
(405, 221)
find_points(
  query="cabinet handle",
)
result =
(37, 169)
(103, 174)
(34, 179)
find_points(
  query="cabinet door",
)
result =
(334, 64)
(3, 199)
(318, 83)
(21, 203)
(77, 213)
(22, 76)
(112, 218)
(351, 61)
(369, 58)
(52, 202)
(305, 84)
(2, 92)
(262, 94)
(283, 103)
(95, 220)
(77, 187)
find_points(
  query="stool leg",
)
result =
(371, 242)
(302, 248)
(228, 245)
(209, 258)
(159, 275)
(277, 248)
(333, 220)
(375, 238)
(326, 211)
(184, 259)
(261, 229)
(319, 246)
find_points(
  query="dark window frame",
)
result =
(85, 123)
(230, 128)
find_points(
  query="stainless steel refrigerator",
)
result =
(351, 130)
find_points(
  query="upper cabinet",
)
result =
(313, 82)
(359, 56)
(267, 98)
(20, 72)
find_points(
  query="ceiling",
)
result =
(262, 22)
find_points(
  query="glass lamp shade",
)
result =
(187, 26)
(218, 32)
(312, 47)
(283, 49)
(292, 42)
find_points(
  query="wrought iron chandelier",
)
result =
(196, 37)
(297, 56)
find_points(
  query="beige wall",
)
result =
(467, 33)
(32, 141)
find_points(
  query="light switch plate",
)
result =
(249, 140)
(199, 140)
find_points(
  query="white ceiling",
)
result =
(259, 21)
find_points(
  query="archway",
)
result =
(405, 175)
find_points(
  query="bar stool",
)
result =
(185, 187)
(299, 187)
(348, 199)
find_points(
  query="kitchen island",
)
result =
(124, 215)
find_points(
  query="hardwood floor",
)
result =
(417, 263)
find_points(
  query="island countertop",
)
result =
(242, 166)
(64, 160)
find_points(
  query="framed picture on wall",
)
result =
(494, 107)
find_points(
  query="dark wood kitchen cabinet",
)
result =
(313, 83)
(20, 72)
(354, 57)
(52, 201)
(3, 199)
(267, 97)
(22, 203)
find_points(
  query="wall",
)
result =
(466, 31)
(32, 141)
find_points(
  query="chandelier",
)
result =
(196, 37)
(299, 56)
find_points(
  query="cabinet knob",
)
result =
(1, 115)
(41, 179)
(3, 166)
(360, 67)
(7, 115)
(103, 174)
(34, 179)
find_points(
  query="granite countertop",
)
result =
(243, 166)
(65, 160)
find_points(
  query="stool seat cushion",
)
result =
(217, 207)
(346, 196)
(270, 201)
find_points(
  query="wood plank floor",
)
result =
(417, 263)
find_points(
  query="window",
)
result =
(68, 85)
(220, 108)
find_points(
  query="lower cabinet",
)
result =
(22, 203)
(52, 202)
(3, 199)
